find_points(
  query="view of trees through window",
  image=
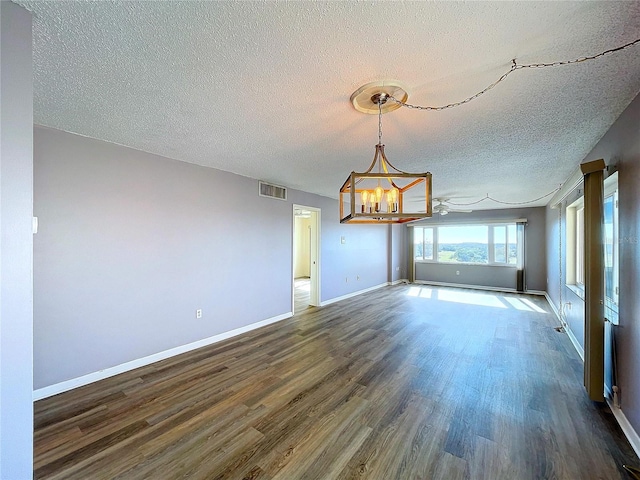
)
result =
(481, 244)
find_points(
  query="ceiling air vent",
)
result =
(272, 191)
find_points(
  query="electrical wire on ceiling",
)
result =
(488, 197)
(515, 66)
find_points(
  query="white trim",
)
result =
(461, 222)
(627, 428)
(474, 287)
(479, 287)
(353, 294)
(315, 293)
(575, 342)
(553, 307)
(611, 184)
(567, 329)
(51, 390)
(536, 292)
(577, 289)
(469, 264)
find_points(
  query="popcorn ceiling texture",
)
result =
(262, 89)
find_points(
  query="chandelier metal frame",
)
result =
(383, 204)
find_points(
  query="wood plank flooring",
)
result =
(406, 382)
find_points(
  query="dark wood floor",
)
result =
(406, 382)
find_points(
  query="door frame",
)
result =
(314, 274)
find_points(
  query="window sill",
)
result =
(467, 264)
(577, 289)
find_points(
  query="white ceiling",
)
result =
(262, 88)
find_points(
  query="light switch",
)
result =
(343, 240)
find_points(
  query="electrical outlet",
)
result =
(358, 277)
(457, 272)
(198, 313)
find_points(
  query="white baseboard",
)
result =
(622, 420)
(353, 294)
(67, 385)
(462, 285)
(627, 429)
(575, 342)
(553, 307)
(570, 333)
(537, 292)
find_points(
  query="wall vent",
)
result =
(272, 191)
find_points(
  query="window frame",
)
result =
(490, 243)
(611, 303)
(574, 263)
(579, 246)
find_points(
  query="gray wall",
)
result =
(480, 275)
(566, 300)
(493, 276)
(16, 245)
(397, 253)
(620, 146)
(131, 244)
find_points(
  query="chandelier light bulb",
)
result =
(379, 191)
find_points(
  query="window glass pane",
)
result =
(610, 267)
(580, 246)
(423, 243)
(616, 248)
(500, 244)
(417, 242)
(428, 244)
(512, 239)
(463, 244)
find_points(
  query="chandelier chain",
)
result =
(515, 66)
(488, 197)
(379, 123)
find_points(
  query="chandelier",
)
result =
(383, 193)
(394, 196)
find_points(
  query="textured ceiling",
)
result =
(262, 88)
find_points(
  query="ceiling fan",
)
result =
(443, 209)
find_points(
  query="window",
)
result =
(611, 255)
(580, 246)
(463, 244)
(575, 247)
(505, 244)
(483, 244)
(500, 244)
(423, 244)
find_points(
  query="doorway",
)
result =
(306, 258)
